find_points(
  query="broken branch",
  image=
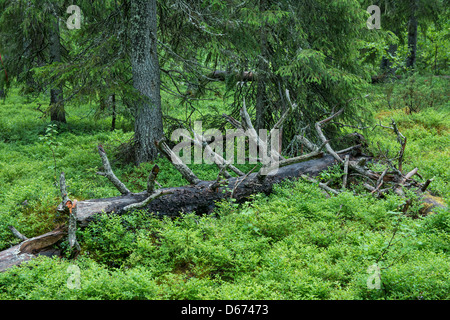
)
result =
(16, 233)
(109, 172)
(152, 179)
(321, 185)
(318, 126)
(344, 179)
(142, 204)
(177, 163)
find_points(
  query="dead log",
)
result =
(30, 248)
(200, 198)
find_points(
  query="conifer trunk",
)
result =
(57, 112)
(412, 35)
(262, 70)
(146, 79)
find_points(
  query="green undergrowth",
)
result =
(297, 243)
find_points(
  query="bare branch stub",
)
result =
(321, 185)
(216, 183)
(177, 162)
(152, 179)
(235, 123)
(426, 185)
(344, 179)
(72, 205)
(248, 126)
(322, 137)
(109, 172)
(380, 181)
(304, 141)
(401, 139)
(142, 204)
(17, 234)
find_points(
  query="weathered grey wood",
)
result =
(12, 257)
(16, 233)
(322, 137)
(109, 173)
(29, 249)
(345, 177)
(178, 163)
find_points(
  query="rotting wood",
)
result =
(29, 249)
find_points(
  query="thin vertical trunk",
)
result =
(412, 36)
(113, 107)
(146, 79)
(57, 112)
(262, 71)
(386, 63)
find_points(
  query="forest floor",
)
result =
(296, 243)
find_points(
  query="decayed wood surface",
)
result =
(29, 249)
(201, 197)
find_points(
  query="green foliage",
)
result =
(297, 243)
(419, 93)
(49, 140)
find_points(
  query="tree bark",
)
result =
(146, 79)
(57, 112)
(412, 35)
(386, 64)
(262, 70)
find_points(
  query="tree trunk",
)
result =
(146, 79)
(201, 197)
(57, 112)
(262, 70)
(412, 36)
(113, 107)
(386, 63)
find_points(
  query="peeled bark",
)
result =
(29, 249)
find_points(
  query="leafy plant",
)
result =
(50, 140)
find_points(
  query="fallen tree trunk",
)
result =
(201, 198)
(30, 249)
